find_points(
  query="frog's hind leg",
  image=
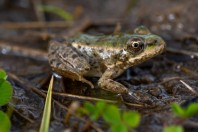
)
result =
(106, 82)
(69, 62)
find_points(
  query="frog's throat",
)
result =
(147, 54)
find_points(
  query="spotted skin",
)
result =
(103, 56)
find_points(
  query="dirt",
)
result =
(155, 84)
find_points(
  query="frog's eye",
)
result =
(135, 45)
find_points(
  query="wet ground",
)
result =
(157, 83)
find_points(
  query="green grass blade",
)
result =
(47, 110)
(58, 11)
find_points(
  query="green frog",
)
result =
(105, 56)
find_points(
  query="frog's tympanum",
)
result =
(103, 56)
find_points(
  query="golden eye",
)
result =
(135, 45)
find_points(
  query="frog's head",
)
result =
(143, 45)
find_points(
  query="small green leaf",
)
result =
(5, 92)
(82, 111)
(95, 116)
(90, 107)
(3, 74)
(173, 128)
(178, 110)
(111, 114)
(192, 109)
(98, 110)
(131, 118)
(94, 113)
(5, 124)
(100, 106)
(119, 128)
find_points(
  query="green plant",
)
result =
(47, 110)
(56, 10)
(4, 122)
(119, 122)
(173, 128)
(5, 96)
(183, 114)
(188, 112)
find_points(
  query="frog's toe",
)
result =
(86, 81)
(112, 86)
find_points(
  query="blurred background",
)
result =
(173, 19)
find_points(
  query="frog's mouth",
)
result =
(148, 53)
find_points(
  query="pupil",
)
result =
(135, 45)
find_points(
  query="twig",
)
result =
(170, 79)
(25, 117)
(29, 25)
(6, 48)
(39, 13)
(185, 52)
(71, 110)
(117, 28)
(93, 99)
(189, 71)
(83, 97)
(191, 124)
(134, 105)
(53, 24)
(189, 87)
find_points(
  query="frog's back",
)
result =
(102, 40)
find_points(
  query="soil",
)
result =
(155, 83)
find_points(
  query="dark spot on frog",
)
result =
(65, 55)
(91, 62)
(52, 60)
(58, 64)
(74, 56)
(79, 46)
(101, 50)
(155, 41)
(95, 66)
(87, 43)
(53, 51)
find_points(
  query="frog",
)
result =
(103, 56)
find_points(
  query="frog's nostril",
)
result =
(87, 68)
(155, 41)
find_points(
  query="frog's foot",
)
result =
(74, 76)
(112, 86)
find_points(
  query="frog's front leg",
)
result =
(106, 81)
